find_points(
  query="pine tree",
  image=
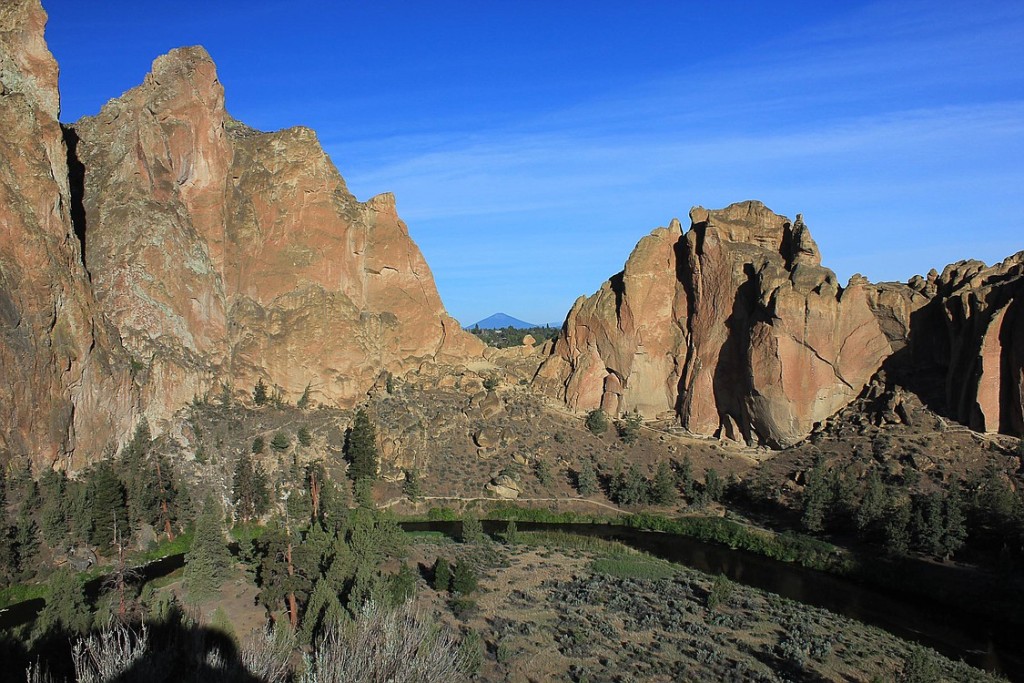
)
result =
(629, 428)
(361, 448)
(286, 572)
(249, 490)
(897, 527)
(54, 513)
(257, 445)
(303, 401)
(305, 438)
(208, 561)
(107, 504)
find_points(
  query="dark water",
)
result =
(983, 643)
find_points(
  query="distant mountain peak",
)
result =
(499, 321)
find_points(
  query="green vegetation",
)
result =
(361, 448)
(597, 422)
(637, 567)
(280, 442)
(259, 393)
(208, 560)
(629, 427)
(505, 337)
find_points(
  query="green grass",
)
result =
(431, 536)
(639, 567)
(20, 592)
(180, 544)
(567, 541)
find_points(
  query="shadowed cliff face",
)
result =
(734, 328)
(216, 254)
(958, 341)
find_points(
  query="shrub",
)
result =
(491, 383)
(720, 591)
(597, 422)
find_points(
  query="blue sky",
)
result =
(531, 144)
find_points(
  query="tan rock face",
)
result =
(63, 384)
(223, 254)
(733, 326)
(166, 250)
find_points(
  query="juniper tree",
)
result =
(872, 504)
(472, 531)
(54, 512)
(442, 575)
(663, 488)
(259, 392)
(597, 422)
(411, 487)
(586, 479)
(280, 442)
(464, 578)
(304, 436)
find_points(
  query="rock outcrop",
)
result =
(958, 341)
(734, 327)
(166, 251)
(63, 381)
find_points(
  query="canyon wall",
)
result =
(160, 252)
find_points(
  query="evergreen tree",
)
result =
(26, 538)
(472, 529)
(631, 487)
(411, 487)
(208, 561)
(249, 490)
(66, 611)
(684, 478)
(259, 392)
(872, 505)
(323, 611)
(287, 571)
(511, 533)
(543, 472)
(714, 488)
(53, 516)
(464, 578)
(257, 445)
(817, 499)
(663, 488)
(442, 575)
(401, 586)
(361, 448)
(586, 479)
(303, 401)
(280, 442)
(629, 428)
(107, 505)
(954, 526)
(597, 422)
(304, 436)
(897, 527)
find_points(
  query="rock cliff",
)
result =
(160, 251)
(734, 327)
(958, 341)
